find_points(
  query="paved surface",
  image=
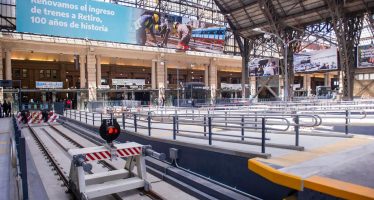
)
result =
(5, 172)
(329, 154)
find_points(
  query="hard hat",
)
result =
(156, 17)
(175, 25)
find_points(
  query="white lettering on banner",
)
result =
(89, 17)
(56, 4)
(46, 85)
(99, 11)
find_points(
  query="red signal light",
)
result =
(112, 130)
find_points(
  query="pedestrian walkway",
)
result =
(5, 172)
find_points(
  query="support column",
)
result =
(281, 86)
(8, 65)
(153, 72)
(8, 71)
(253, 85)
(91, 77)
(347, 28)
(81, 97)
(82, 74)
(1, 64)
(161, 78)
(213, 79)
(245, 73)
(307, 84)
(206, 76)
(98, 70)
(327, 80)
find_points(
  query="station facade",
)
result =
(87, 70)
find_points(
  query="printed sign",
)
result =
(117, 23)
(128, 82)
(264, 67)
(365, 56)
(228, 86)
(49, 85)
(320, 60)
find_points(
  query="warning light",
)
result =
(109, 130)
(112, 130)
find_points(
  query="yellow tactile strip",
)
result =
(338, 188)
(302, 156)
(275, 176)
(324, 185)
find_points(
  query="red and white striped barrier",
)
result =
(102, 155)
(37, 118)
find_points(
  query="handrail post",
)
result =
(242, 125)
(86, 117)
(75, 114)
(149, 123)
(346, 121)
(210, 129)
(225, 118)
(255, 119)
(80, 116)
(174, 128)
(263, 136)
(70, 114)
(297, 130)
(123, 121)
(101, 117)
(135, 124)
(177, 124)
(204, 126)
(93, 119)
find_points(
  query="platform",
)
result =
(342, 169)
(326, 161)
(5, 169)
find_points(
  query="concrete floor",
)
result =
(329, 155)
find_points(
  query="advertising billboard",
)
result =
(313, 61)
(264, 67)
(365, 56)
(103, 21)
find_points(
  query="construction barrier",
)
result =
(36, 117)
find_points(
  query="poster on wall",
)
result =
(88, 19)
(320, 60)
(365, 56)
(264, 67)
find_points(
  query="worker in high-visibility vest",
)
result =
(146, 22)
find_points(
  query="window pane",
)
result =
(54, 73)
(17, 73)
(25, 73)
(48, 73)
(41, 73)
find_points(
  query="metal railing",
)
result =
(204, 125)
(18, 160)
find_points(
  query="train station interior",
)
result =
(195, 99)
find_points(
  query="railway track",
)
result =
(78, 141)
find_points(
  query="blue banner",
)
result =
(88, 19)
(77, 19)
